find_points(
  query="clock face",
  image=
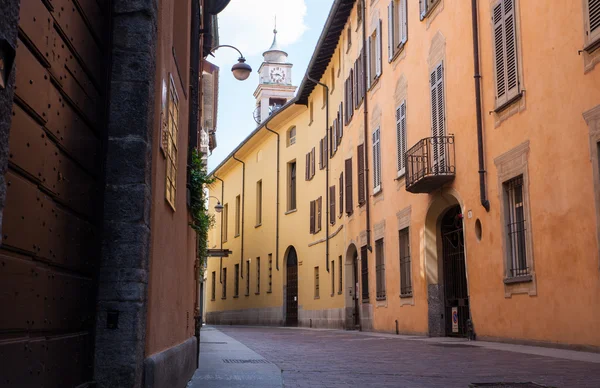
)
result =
(277, 75)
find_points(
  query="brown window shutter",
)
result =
(325, 151)
(340, 122)
(312, 217)
(312, 163)
(319, 212)
(352, 93)
(512, 77)
(307, 168)
(341, 186)
(348, 172)
(332, 205)
(321, 154)
(361, 173)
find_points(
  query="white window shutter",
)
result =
(391, 32)
(401, 137)
(403, 22)
(378, 50)
(368, 64)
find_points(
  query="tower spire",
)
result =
(274, 45)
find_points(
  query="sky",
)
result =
(248, 25)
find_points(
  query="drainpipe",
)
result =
(482, 190)
(326, 170)
(277, 206)
(243, 200)
(366, 121)
(221, 259)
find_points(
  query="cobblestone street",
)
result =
(327, 358)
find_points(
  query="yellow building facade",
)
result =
(459, 189)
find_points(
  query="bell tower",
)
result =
(275, 87)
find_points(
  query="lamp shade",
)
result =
(241, 70)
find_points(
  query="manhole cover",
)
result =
(234, 361)
(508, 385)
(217, 343)
(453, 345)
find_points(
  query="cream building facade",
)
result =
(451, 182)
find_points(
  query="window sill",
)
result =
(374, 83)
(593, 46)
(399, 49)
(377, 191)
(380, 298)
(407, 295)
(223, 298)
(247, 295)
(257, 293)
(310, 123)
(257, 225)
(348, 48)
(317, 297)
(212, 299)
(269, 292)
(518, 279)
(339, 292)
(508, 103)
(424, 16)
(236, 296)
(332, 294)
(236, 236)
(366, 300)
(400, 176)
(290, 211)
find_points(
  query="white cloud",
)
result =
(248, 25)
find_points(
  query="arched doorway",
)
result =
(352, 302)
(291, 288)
(445, 267)
(456, 296)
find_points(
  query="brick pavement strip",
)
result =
(328, 358)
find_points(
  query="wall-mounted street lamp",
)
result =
(241, 70)
(218, 206)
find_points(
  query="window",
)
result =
(332, 277)
(365, 273)
(259, 203)
(225, 217)
(247, 277)
(379, 269)
(374, 56)
(332, 78)
(348, 38)
(323, 151)
(237, 216)
(516, 227)
(171, 135)
(340, 275)
(349, 97)
(224, 284)
(270, 273)
(258, 275)
(316, 282)
(376, 162)
(348, 184)
(397, 27)
(505, 52)
(359, 70)
(361, 174)
(341, 186)
(291, 192)
(438, 117)
(213, 286)
(592, 24)
(332, 205)
(324, 97)
(359, 12)
(315, 215)
(310, 109)
(181, 41)
(425, 6)
(401, 138)
(291, 136)
(236, 281)
(405, 267)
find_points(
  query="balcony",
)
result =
(430, 164)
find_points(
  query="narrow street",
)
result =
(291, 357)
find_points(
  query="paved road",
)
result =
(325, 358)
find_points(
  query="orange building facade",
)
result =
(459, 192)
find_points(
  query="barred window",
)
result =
(365, 274)
(380, 269)
(516, 227)
(405, 266)
(316, 282)
(258, 275)
(236, 281)
(270, 273)
(247, 277)
(224, 284)
(213, 287)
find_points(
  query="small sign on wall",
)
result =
(455, 319)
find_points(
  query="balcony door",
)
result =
(438, 124)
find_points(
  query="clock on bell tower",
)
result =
(275, 87)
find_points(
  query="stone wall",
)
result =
(323, 319)
(268, 316)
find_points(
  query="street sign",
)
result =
(218, 253)
(455, 319)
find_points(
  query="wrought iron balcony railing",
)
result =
(430, 164)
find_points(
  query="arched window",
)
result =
(291, 136)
